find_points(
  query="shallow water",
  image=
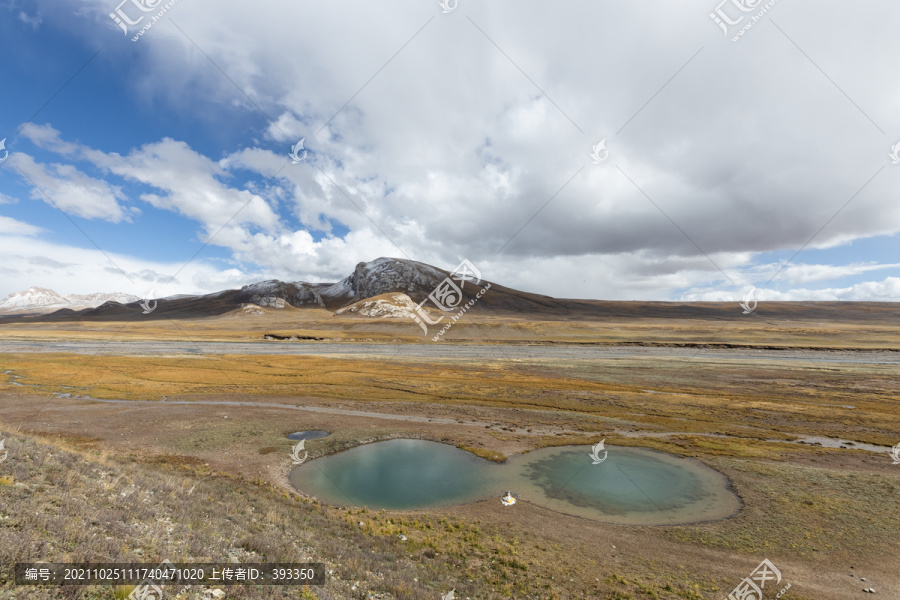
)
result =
(312, 434)
(632, 486)
(397, 474)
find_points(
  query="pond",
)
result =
(632, 486)
(312, 434)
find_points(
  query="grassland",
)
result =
(826, 325)
(214, 476)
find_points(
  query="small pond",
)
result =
(312, 434)
(632, 486)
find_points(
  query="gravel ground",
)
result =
(433, 351)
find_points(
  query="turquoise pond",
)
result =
(632, 486)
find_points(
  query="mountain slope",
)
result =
(37, 298)
(380, 276)
(33, 297)
(387, 276)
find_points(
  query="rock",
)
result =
(270, 301)
(386, 275)
(388, 306)
(251, 309)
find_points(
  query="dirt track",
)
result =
(432, 351)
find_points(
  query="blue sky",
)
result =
(439, 137)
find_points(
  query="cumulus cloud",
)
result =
(438, 137)
(886, 290)
(71, 190)
(802, 273)
(29, 260)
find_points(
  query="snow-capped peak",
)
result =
(42, 298)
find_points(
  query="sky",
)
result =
(609, 150)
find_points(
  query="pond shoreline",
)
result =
(410, 474)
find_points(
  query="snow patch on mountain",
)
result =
(43, 298)
(98, 298)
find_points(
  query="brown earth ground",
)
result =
(827, 517)
(852, 325)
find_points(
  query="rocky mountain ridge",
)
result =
(369, 279)
(38, 298)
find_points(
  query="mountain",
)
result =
(41, 299)
(381, 282)
(380, 276)
(369, 279)
(98, 298)
(33, 297)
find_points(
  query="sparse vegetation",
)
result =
(214, 480)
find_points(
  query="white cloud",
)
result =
(32, 21)
(29, 261)
(71, 190)
(887, 290)
(802, 273)
(450, 148)
(191, 183)
(45, 136)
(9, 225)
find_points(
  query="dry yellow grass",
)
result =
(756, 330)
(817, 507)
(764, 401)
